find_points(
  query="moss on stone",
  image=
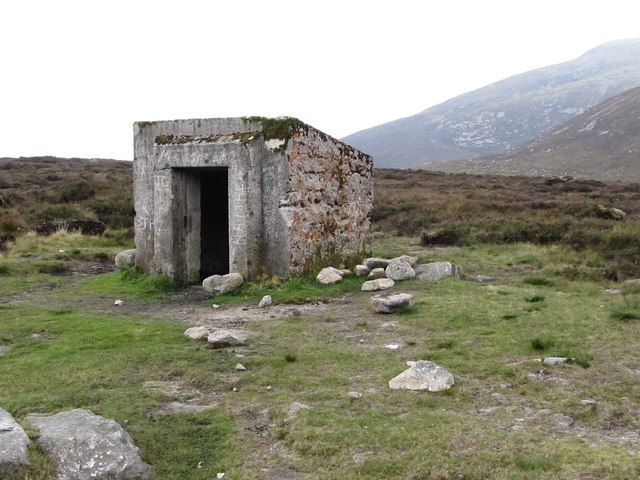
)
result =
(277, 128)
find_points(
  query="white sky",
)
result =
(76, 74)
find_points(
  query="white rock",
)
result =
(377, 284)
(405, 258)
(399, 270)
(126, 259)
(222, 284)
(329, 275)
(223, 338)
(295, 407)
(354, 395)
(385, 303)
(361, 270)
(435, 271)
(265, 301)
(240, 367)
(196, 333)
(376, 273)
(555, 360)
(118, 303)
(13, 444)
(423, 375)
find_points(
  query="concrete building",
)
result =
(253, 195)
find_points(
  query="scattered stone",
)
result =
(328, 276)
(196, 333)
(178, 407)
(83, 445)
(360, 458)
(435, 271)
(376, 273)
(224, 338)
(487, 411)
(222, 284)
(399, 270)
(126, 259)
(295, 407)
(588, 402)
(361, 270)
(423, 375)
(392, 346)
(345, 272)
(389, 324)
(354, 395)
(563, 420)
(499, 397)
(240, 367)
(13, 444)
(374, 263)
(377, 284)
(3, 349)
(266, 301)
(385, 303)
(505, 385)
(118, 303)
(613, 291)
(405, 258)
(555, 360)
(480, 278)
(215, 306)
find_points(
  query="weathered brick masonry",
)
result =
(249, 195)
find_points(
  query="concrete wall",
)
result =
(298, 201)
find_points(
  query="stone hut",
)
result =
(253, 195)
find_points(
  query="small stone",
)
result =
(220, 475)
(222, 284)
(223, 338)
(354, 395)
(118, 303)
(423, 375)
(563, 420)
(359, 458)
(613, 291)
(389, 324)
(215, 306)
(240, 367)
(126, 259)
(266, 301)
(532, 377)
(384, 303)
(498, 397)
(376, 273)
(487, 411)
(196, 333)
(328, 276)
(361, 270)
(555, 360)
(377, 284)
(392, 346)
(405, 258)
(399, 270)
(588, 402)
(295, 407)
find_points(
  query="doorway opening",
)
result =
(214, 222)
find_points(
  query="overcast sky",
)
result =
(77, 74)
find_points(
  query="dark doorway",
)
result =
(214, 222)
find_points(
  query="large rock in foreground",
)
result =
(126, 259)
(385, 303)
(222, 284)
(400, 270)
(423, 375)
(377, 284)
(227, 338)
(87, 446)
(329, 275)
(13, 444)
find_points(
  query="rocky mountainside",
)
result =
(603, 143)
(505, 114)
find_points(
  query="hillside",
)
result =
(603, 143)
(505, 114)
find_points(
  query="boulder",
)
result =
(361, 270)
(432, 272)
(83, 445)
(376, 273)
(377, 284)
(328, 275)
(13, 444)
(423, 375)
(376, 263)
(196, 333)
(385, 303)
(399, 270)
(222, 284)
(265, 301)
(126, 259)
(224, 338)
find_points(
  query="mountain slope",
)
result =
(603, 143)
(504, 114)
